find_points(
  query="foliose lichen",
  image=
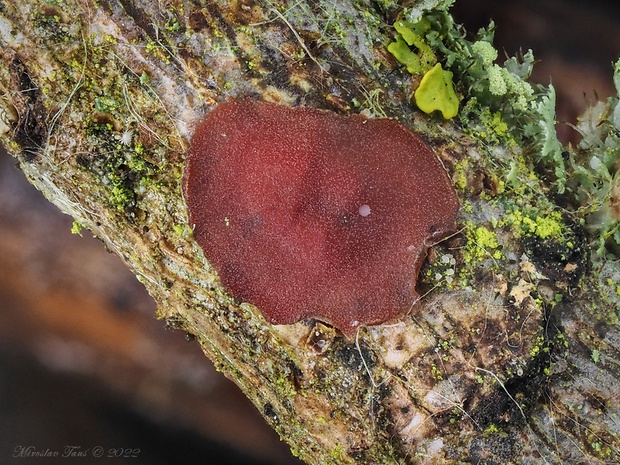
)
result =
(434, 37)
(499, 107)
(593, 168)
(436, 92)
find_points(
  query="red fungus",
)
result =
(305, 213)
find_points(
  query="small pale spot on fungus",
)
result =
(281, 203)
(364, 210)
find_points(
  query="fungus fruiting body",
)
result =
(308, 214)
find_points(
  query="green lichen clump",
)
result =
(412, 49)
(480, 81)
(483, 244)
(535, 223)
(495, 103)
(420, 59)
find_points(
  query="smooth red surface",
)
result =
(275, 193)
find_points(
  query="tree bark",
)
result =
(514, 359)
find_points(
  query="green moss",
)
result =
(560, 341)
(113, 153)
(436, 373)
(485, 238)
(492, 429)
(52, 24)
(173, 25)
(157, 51)
(105, 104)
(121, 196)
(541, 346)
(122, 170)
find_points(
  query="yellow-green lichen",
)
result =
(337, 453)
(182, 230)
(411, 48)
(285, 387)
(405, 56)
(412, 35)
(76, 228)
(481, 243)
(459, 178)
(544, 226)
(539, 224)
(492, 429)
(485, 125)
(436, 93)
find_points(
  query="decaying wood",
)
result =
(99, 100)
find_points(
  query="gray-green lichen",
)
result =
(499, 106)
(594, 171)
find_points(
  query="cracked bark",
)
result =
(98, 102)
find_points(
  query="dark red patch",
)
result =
(305, 213)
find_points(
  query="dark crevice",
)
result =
(140, 18)
(31, 130)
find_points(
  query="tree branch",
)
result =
(494, 364)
